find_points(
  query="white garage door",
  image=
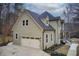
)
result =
(30, 43)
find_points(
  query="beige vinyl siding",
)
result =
(30, 30)
(50, 42)
(56, 25)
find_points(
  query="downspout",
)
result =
(58, 38)
(54, 37)
(63, 31)
(43, 40)
(57, 33)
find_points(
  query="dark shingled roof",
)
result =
(47, 14)
(38, 20)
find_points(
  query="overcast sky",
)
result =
(55, 9)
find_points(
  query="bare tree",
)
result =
(71, 14)
(7, 17)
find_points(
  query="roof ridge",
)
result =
(48, 13)
(35, 16)
(37, 19)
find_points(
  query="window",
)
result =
(16, 36)
(26, 22)
(23, 22)
(46, 38)
(47, 22)
(51, 37)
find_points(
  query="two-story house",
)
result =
(56, 23)
(37, 31)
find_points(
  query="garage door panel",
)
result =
(30, 43)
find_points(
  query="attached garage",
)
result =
(30, 42)
(30, 31)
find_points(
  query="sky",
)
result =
(56, 9)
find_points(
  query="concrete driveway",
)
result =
(72, 50)
(13, 50)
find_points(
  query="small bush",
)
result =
(57, 54)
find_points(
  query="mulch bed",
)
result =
(59, 50)
(53, 48)
(63, 50)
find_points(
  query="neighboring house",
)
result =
(38, 31)
(72, 29)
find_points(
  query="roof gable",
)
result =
(38, 20)
(50, 16)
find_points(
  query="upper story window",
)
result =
(23, 22)
(47, 22)
(46, 37)
(26, 22)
